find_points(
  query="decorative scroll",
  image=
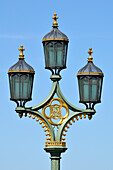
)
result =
(41, 122)
(69, 122)
(55, 111)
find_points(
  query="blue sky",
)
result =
(86, 23)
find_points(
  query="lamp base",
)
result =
(55, 152)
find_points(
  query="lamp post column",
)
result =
(55, 152)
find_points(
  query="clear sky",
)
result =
(86, 23)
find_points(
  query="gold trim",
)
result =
(41, 122)
(55, 38)
(55, 24)
(21, 49)
(19, 70)
(55, 143)
(90, 73)
(72, 120)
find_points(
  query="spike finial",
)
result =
(21, 49)
(90, 52)
(55, 24)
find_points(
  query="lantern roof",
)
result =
(55, 33)
(90, 68)
(21, 65)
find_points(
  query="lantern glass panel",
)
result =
(90, 89)
(93, 89)
(55, 54)
(100, 80)
(21, 86)
(49, 55)
(84, 89)
(59, 54)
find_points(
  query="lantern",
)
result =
(21, 77)
(90, 80)
(55, 45)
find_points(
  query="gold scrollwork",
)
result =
(55, 112)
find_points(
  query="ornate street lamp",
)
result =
(90, 80)
(55, 45)
(54, 112)
(21, 77)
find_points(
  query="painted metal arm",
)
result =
(43, 120)
(34, 111)
(70, 106)
(49, 97)
(71, 119)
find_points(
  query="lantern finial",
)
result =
(90, 52)
(55, 24)
(21, 49)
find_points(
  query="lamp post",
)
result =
(90, 79)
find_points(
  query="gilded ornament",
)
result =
(55, 112)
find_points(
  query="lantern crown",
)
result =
(90, 79)
(90, 68)
(21, 65)
(55, 33)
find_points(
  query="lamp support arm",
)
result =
(49, 97)
(42, 120)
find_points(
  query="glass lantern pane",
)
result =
(30, 85)
(84, 89)
(24, 79)
(90, 88)
(65, 53)
(14, 86)
(85, 92)
(16, 90)
(59, 54)
(99, 88)
(50, 54)
(93, 89)
(55, 54)
(21, 86)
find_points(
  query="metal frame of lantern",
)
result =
(56, 118)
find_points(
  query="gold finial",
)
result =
(21, 49)
(55, 18)
(90, 52)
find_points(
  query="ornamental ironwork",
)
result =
(55, 111)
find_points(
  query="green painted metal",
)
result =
(50, 96)
(71, 107)
(55, 77)
(55, 89)
(55, 152)
(60, 130)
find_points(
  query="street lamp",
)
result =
(55, 45)
(21, 77)
(90, 80)
(61, 113)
